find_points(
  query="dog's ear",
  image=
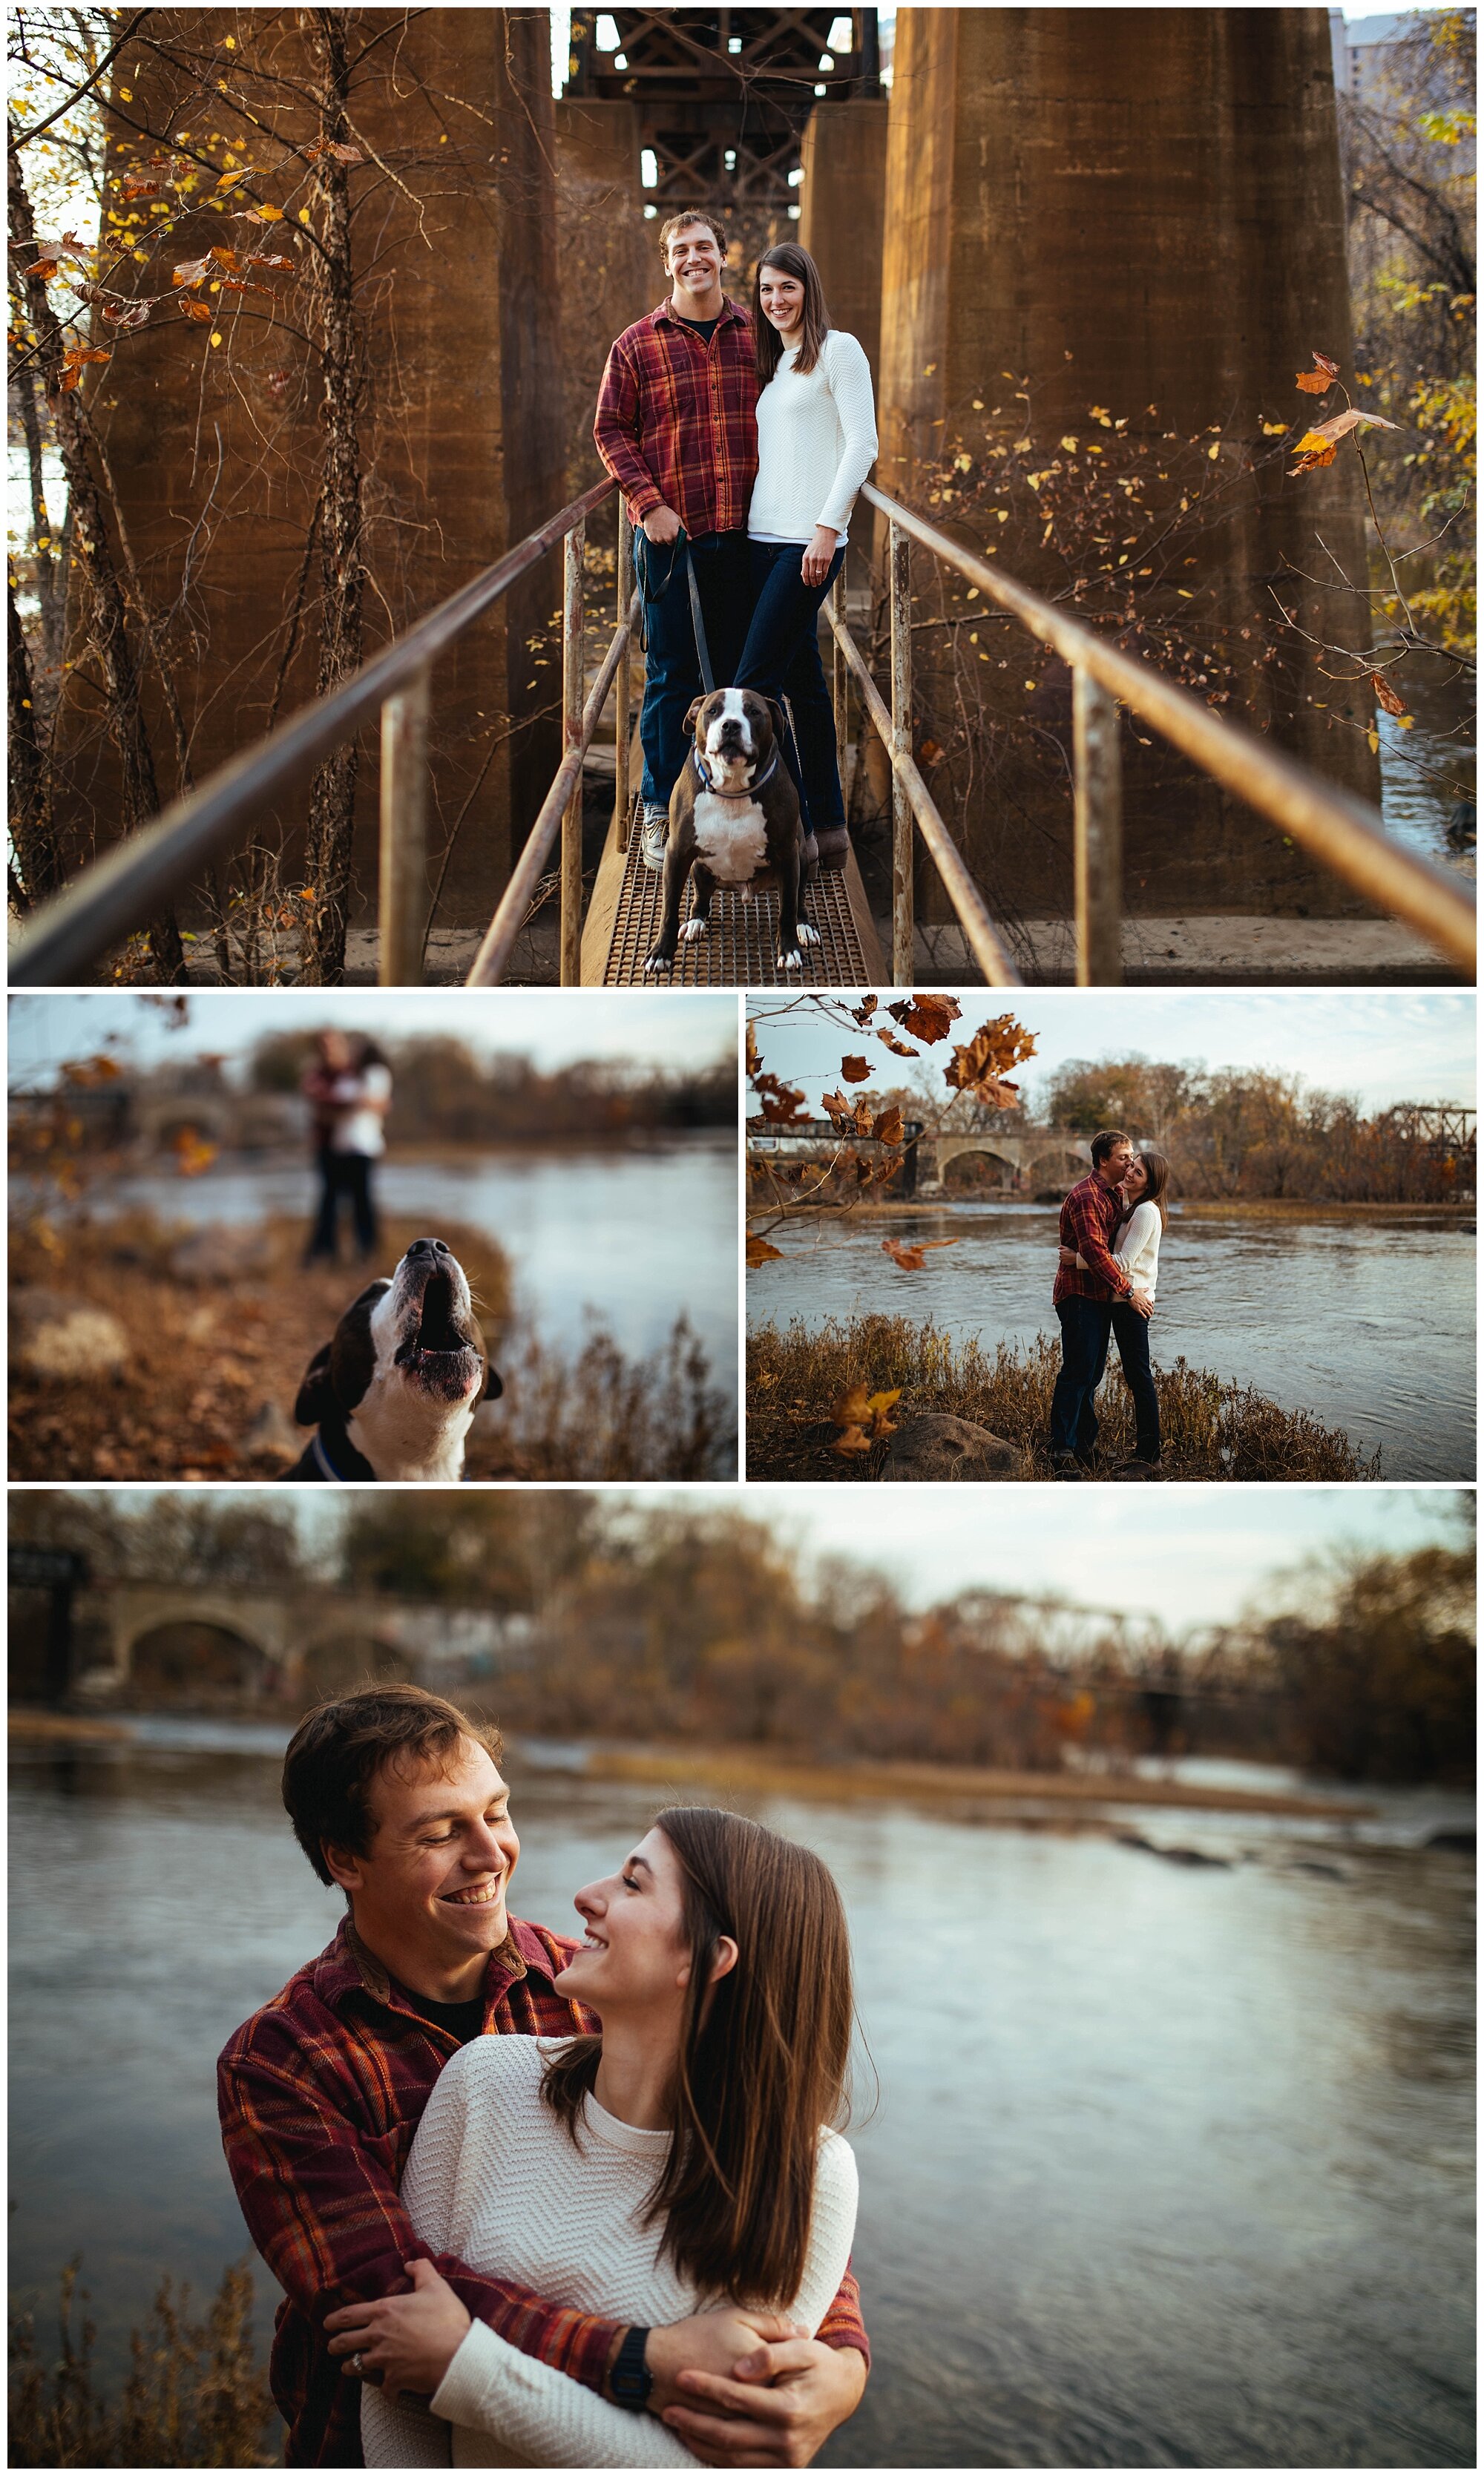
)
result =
(779, 719)
(690, 719)
(316, 1398)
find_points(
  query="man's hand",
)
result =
(661, 524)
(777, 2409)
(407, 2342)
(1068, 1258)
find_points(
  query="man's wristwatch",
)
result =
(630, 2379)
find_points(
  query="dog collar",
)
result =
(753, 789)
(326, 1465)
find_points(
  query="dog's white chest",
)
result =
(732, 837)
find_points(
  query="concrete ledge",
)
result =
(1196, 949)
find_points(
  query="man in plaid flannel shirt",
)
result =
(1084, 1301)
(677, 426)
(395, 1796)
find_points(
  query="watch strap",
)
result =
(629, 2380)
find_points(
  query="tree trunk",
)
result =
(37, 870)
(106, 614)
(333, 792)
(50, 593)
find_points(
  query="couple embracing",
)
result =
(739, 443)
(534, 2200)
(1106, 1266)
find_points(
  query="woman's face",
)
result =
(1136, 1181)
(782, 298)
(636, 1955)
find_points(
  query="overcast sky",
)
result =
(666, 1027)
(1382, 1045)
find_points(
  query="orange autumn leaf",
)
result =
(1385, 694)
(897, 1047)
(863, 1013)
(200, 310)
(926, 1017)
(855, 1070)
(887, 1128)
(190, 270)
(758, 1252)
(909, 1258)
(139, 189)
(1320, 378)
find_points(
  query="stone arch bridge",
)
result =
(1032, 1162)
(229, 1646)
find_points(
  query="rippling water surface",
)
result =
(1171, 2164)
(1367, 1323)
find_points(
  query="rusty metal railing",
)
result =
(122, 892)
(1344, 834)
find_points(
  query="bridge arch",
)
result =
(958, 1157)
(198, 1659)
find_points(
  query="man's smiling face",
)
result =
(695, 259)
(428, 1893)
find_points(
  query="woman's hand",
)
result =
(817, 557)
(407, 2340)
(1141, 1302)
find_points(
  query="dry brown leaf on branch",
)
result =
(190, 270)
(1343, 423)
(979, 1065)
(855, 1070)
(753, 1059)
(887, 1128)
(1386, 696)
(758, 1252)
(1313, 461)
(262, 215)
(926, 1017)
(270, 258)
(897, 1047)
(781, 1105)
(909, 1259)
(1320, 378)
(127, 314)
(45, 267)
(132, 189)
(863, 1013)
(200, 310)
(74, 358)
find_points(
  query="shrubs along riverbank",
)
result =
(796, 1378)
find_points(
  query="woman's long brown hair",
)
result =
(1156, 1172)
(761, 2063)
(814, 321)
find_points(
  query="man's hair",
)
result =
(337, 1753)
(1107, 1142)
(691, 215)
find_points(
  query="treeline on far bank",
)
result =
(444, 1091)
(657, 1622)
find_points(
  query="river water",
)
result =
(1171, 2164)
(1365, 1323)
(636, 1236)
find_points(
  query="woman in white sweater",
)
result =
(816, 443)
(1136, 1248)
(681, 2158)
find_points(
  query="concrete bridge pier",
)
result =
(1130, 209)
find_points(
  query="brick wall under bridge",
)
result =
(230, 1647)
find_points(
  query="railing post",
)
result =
(621, 691)
(840, 677)
(571, 737)
(403, 875)
(1098, 833)
(903, 923)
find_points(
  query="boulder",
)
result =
(935, 1446)
(221, 1251)
(61, 1338)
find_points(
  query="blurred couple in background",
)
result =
(348, 1087)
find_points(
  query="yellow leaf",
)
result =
(230, 179)
(215, 336)
(1070, 444)
(125, 94)
(1214, 450)
(1374, 741)
(304, 215)
(1274, 428)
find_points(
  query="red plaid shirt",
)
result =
(320, 2094)
(677, 421)
(1090, 1216)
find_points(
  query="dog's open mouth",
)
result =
(435, 1350)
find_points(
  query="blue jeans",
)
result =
(347, 1176)
(780, 658)
(672, 677)
(1131, 1332)
(1086, 1325)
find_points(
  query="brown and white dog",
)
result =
(392, 1395)
(734, 821)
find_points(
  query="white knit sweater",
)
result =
(1137, 1246)
(495, 2178)
(816, 443)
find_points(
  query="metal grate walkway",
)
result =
(740, 949)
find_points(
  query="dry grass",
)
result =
(196, 2394)
(1210, 1429)
(207, 1359)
